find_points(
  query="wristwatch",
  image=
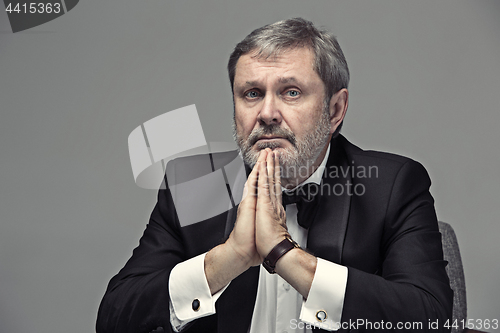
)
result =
(277, 252)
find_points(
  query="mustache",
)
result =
(274, 130)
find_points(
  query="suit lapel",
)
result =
(327, 232)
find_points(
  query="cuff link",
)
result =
(196, 305)
(321, 315)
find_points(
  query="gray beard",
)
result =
(296, 161)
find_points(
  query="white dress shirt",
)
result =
(278, 306)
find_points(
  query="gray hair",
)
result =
(271, 39)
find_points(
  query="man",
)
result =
(369, 251)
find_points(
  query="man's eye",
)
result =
(293, 93)
(252, 94)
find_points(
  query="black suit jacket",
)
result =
(378, 219)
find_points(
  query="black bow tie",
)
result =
(306, 197)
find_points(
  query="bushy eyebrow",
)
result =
(285, 80)
(281, 80)
(249, 84)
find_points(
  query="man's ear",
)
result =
(338, 108)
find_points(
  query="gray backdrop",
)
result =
(425, 80)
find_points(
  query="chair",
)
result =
(455, 272)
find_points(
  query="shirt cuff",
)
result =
(190, 296)
(325, 301)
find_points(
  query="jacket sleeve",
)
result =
(137, 298)
(412, 287)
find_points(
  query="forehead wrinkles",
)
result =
(261, 67)
(295, 59)
(250, 77)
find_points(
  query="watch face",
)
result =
(293, 242)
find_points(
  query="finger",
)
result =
(263, 185)
(277, 178)
(269, 161)
(270, 177)
(252, 181)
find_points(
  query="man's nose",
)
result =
(270, 112)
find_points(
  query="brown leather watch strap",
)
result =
(277, 252)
